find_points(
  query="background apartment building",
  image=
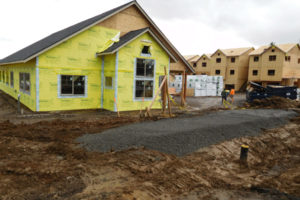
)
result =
(192, 59)
(203, 65)
(233, 65)
(275, 64)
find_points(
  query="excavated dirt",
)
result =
(41, 160)
(274, 102)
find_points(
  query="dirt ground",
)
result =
(39, 159)
(273, 102)
(204, 103)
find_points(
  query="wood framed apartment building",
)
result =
(117, 56)
(203, 65)
(275, 65)
(233, 65)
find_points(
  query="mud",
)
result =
(274, 102)
(41, 160)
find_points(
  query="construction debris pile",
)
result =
(273, 102)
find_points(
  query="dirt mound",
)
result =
(41, 161)
(273, 165)
(274, 102)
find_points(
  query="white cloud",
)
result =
(200, 38)
(193, 26)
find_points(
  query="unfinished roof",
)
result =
(55, 39)
(283, 47)
(189, 57)
(130, 36)
(206, 55)
(235, 51)
(195, 59)
(260, 50)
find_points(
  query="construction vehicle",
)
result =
(256, 91)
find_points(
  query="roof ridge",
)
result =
(286, 51)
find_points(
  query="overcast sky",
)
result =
(193, 26)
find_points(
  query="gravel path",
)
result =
(181, 136)
(203, 103)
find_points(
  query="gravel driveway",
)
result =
(181, 136)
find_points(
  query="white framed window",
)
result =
(144, 79)
(24, 82)
(72, 86)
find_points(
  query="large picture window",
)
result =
(24, 82)
(144, 78)
(72, 85)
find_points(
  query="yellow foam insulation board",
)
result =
(126, 67)
(28, 99)
(76, 56)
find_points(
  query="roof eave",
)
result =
(152, 34)
(202, 56)
(246, 51)
(291, 48)
(179, 54)
(14, 62)
(216, 52)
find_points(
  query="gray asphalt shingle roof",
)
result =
(130, 36)
(52, 39)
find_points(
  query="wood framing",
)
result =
(275, 64)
